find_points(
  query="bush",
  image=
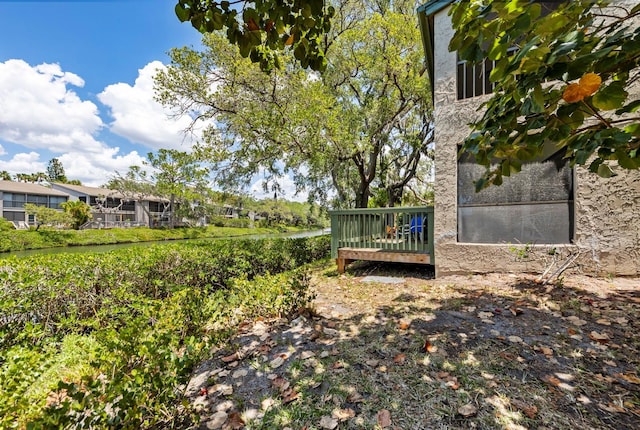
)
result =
(140, 318)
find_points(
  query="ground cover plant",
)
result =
(407, 351)
(109, 340)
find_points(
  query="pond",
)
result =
(112, 247)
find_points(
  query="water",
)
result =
(113, 247)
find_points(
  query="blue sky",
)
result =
(76, 83)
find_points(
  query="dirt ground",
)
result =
(388, 346)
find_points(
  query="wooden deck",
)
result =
(349, 255)
(400, 235)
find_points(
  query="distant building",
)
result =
(113, 208)
(14, 195)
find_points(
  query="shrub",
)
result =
(140, 318)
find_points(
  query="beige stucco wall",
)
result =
(607, 211)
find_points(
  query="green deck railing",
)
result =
(405, 229)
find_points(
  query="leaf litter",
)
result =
(482, 351)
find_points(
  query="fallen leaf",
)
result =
(515, 339)
(307, 354)
(355, 397)
(611, 408)
(552, 380)
(467, 410)
(485, 315)
(337, 365)
(224, 389)
(280, 383)
(384, 418)
(576, 321)
(276, 362)
(453, 384)
(429, 347)
(403, 325)
(230, 358)
(289, 396)
(571, 331)
(529, 410)
(628, 377)
(203, 391)
(599, 337)
(235, 421)
(329, 423)
(516, 311)
(343, 414)
(603, 321)
(546, 351)
(400, 358)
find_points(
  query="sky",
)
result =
(76, 83)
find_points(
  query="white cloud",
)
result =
(141, 119)
(288, 190)
(39, 111)
(95, 168)
(23, 163)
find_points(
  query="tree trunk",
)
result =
(172, 217)
(394, 196)
(362, 195)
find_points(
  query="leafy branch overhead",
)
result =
(572, 81)
(262, 28)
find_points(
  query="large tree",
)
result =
(262, 29)
(362, 123)
(573, 80)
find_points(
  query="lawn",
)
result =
(482, 351)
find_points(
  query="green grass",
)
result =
(20, 240)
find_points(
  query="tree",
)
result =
(78, 211)
(337, 133)
(5, 176)
(46, 216)
(262, 28)
(134, 185)
(177, 176)
(569, 82)
(55, 171)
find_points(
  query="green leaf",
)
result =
(604, 171)
(182, 13)
(611, 97)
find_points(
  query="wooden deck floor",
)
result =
(349, 255)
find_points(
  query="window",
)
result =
(13, 216)
(55, 201)
(128, 205)
(473, 80)
(12, 200)
(534, 206)
(37, 200)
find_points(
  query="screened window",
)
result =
(12, 200)
(37, 200)
(56, 201)
(13, 216)
(534, 206)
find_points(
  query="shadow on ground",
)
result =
(496, 351)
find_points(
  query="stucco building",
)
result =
(548, 211)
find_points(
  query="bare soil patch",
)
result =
(482, 351)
